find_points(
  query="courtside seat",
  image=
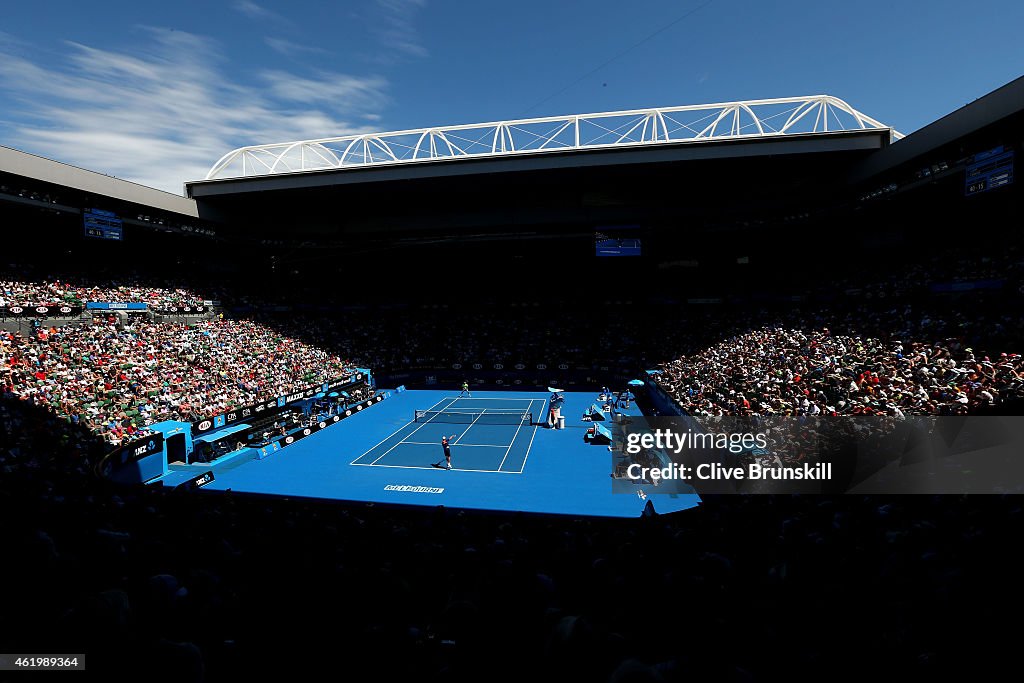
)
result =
(598, 434)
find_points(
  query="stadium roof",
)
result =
(753, 119)
(999, 107)
(30, 166)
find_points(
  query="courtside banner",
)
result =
(182, 310)
(871, 454)
(344, 383)
(267, 407)
(114, 306)
(137, 450)
(327, 421)
(238, 415)
(42, 311)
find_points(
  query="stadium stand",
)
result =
(816, 360)
(793, 372)
(31, 294)
(163, 584)
(118, 380)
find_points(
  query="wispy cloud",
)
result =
(165, 115)
(327, 89)
(259, 13)
(397, 28)
(252, 10)
(290, 49)
(7, 39)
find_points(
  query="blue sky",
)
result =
(156, 93)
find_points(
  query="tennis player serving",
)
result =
(447, 450)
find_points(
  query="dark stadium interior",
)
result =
(387, 272)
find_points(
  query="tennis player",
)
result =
(447, 450)
(465, 390)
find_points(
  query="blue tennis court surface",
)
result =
(499, 461)
(487, 434)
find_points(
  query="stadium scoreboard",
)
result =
(618, 247)
(102, 224)
(989, 170)
(610, 241)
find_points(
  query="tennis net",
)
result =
(492, 417)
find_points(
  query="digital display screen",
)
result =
(989, 170)
(615, 240)
(102, 224)
(614, 247)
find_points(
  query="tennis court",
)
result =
(486, 435)
(395, 451)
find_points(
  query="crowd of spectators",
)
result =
(440, 336)
(863, 354)
(117, 380)
(632, 329)
(160, 584)
(976, 263)
(776, 371)
(18, 290)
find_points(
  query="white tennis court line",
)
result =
(407, 436)
(468, 445)
(530, 446)
(509, 450)
(389, 436)
(469, 407)
(426, 443)
(441, 469)
(485, 398)
(467, 428)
